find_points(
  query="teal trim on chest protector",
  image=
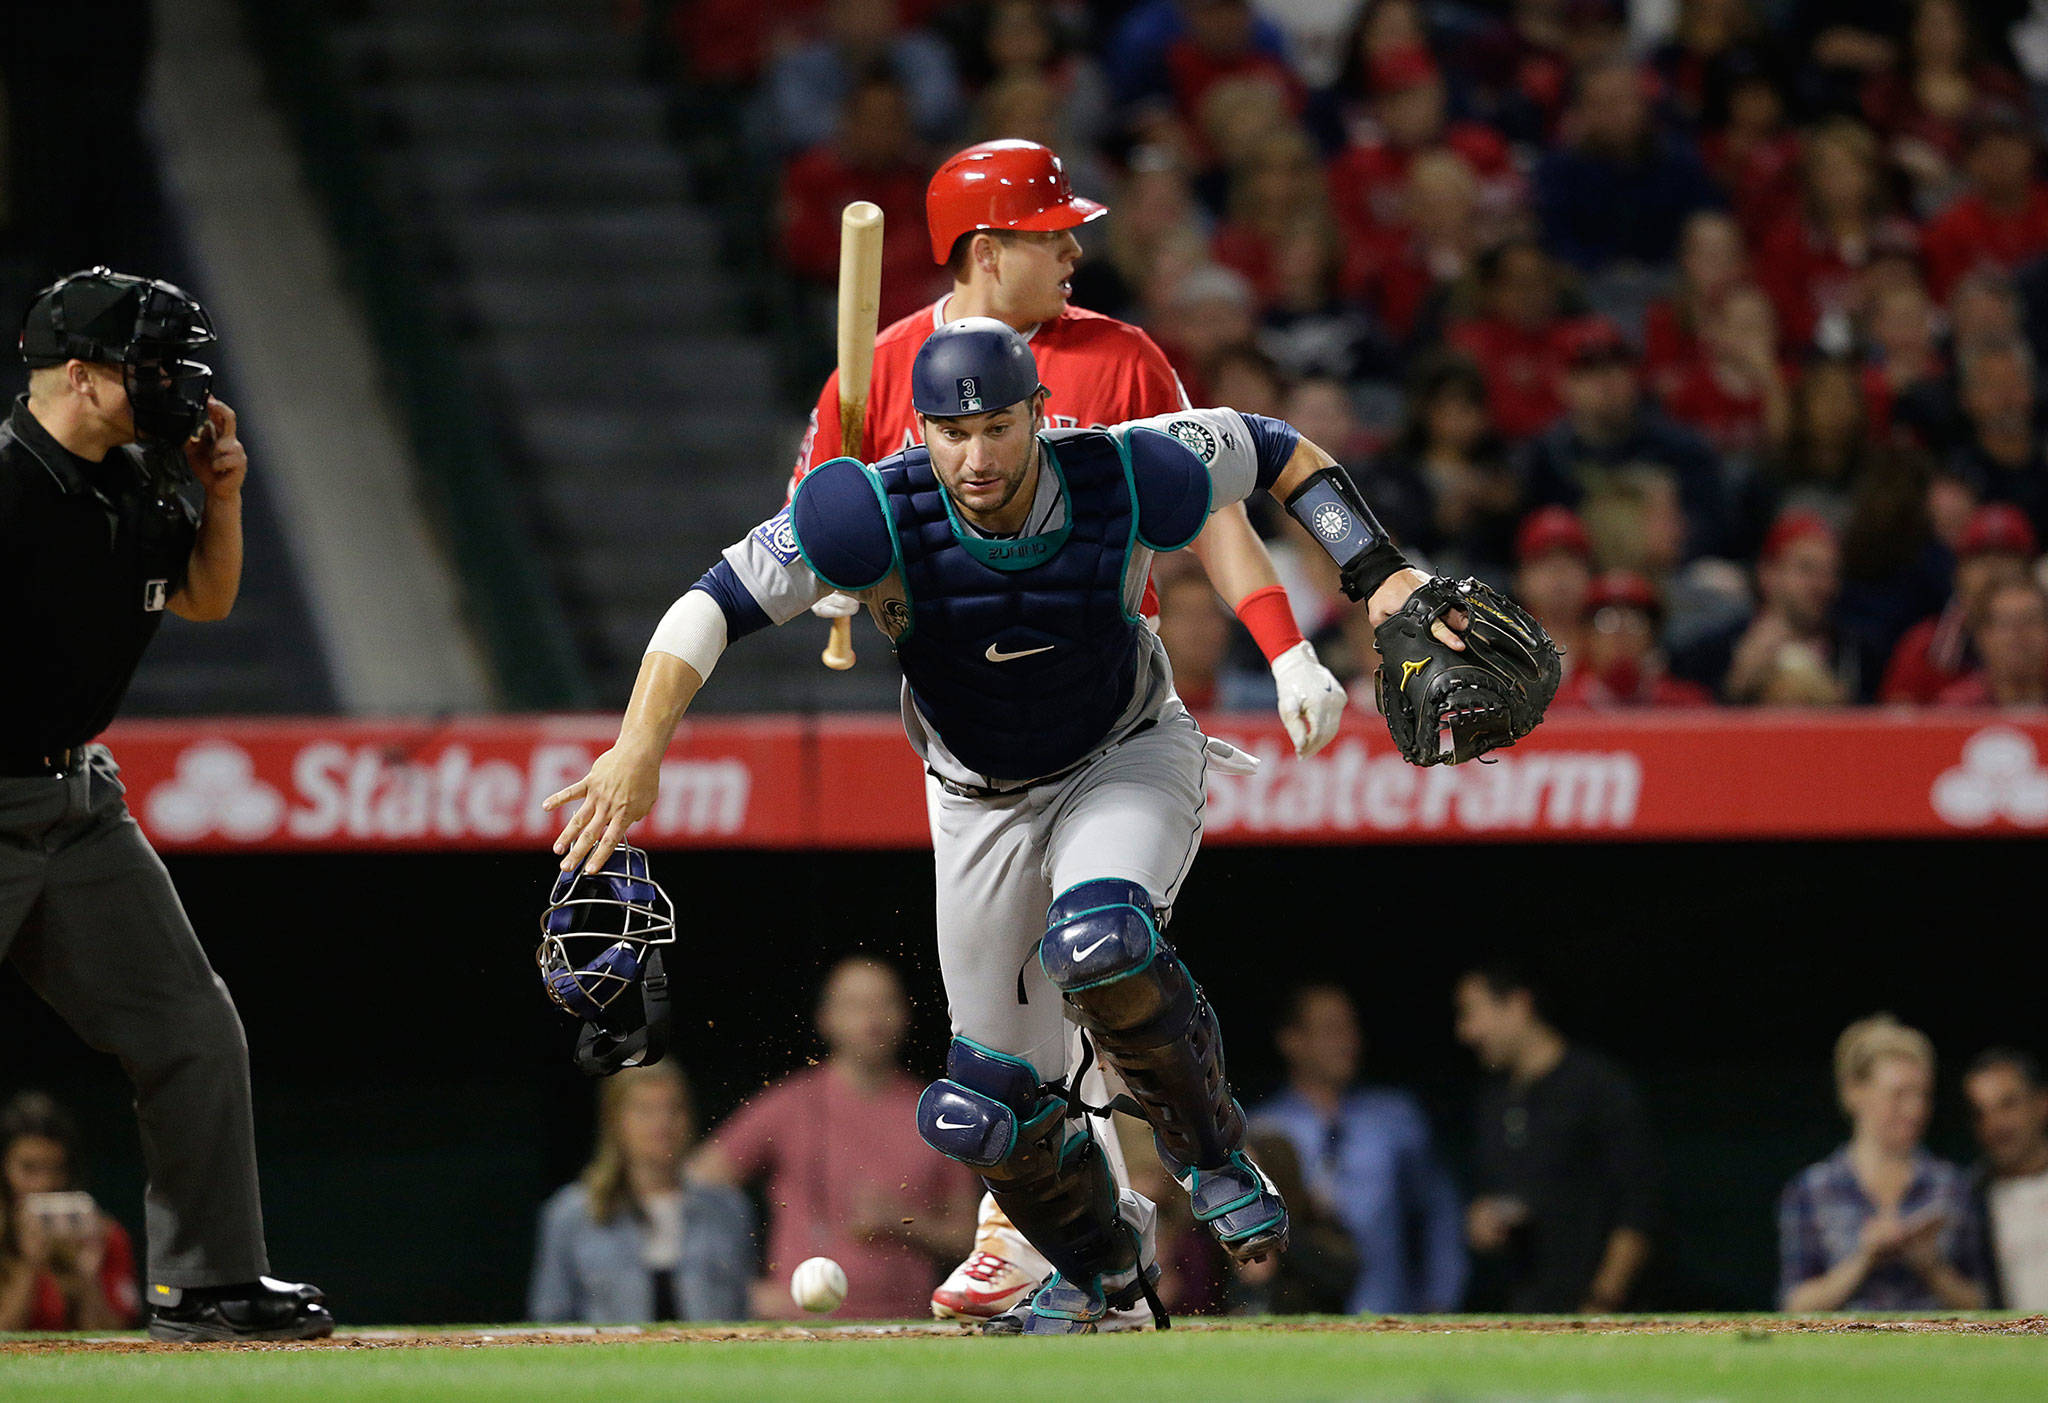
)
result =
(1021, 552)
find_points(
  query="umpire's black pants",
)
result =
(89, 917)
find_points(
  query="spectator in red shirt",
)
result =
(1753, 152)
(873, 158)
(1220, 44)
(2012, 645)
(1799, 581)
(59, 1270)
(1409, 118)
(846, 1175)
(2001, 220)
(1996, 549)
(1208, 310)
(1811, 259)
(1274, 191)
(1736, 392)
(1554, 577)
(1624, 667)
(1923, 108)
(1521, 338)
(1711, 260)
(1409, 268)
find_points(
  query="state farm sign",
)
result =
(851, 782)
(370, 794)
(1357, 788)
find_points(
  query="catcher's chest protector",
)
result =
(1019, 653)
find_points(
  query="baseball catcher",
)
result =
(1005, 562)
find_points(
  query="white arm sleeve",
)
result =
(693, 629)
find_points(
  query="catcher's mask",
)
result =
(143, 325)
(600, 959)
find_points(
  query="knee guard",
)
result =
(991, 1112)
(1103, 951)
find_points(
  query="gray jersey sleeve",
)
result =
(1219, 438)
(771, 569)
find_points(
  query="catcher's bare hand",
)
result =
(1386, 601)
(618, 792)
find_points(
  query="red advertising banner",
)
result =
(850, 781)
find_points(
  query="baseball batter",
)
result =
(1001, 216)
(1005, 562)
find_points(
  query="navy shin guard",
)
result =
(1103, 951)
(991, 1112)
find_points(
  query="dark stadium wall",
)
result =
(415, 1101)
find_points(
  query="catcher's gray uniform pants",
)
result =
(1132, 811)
(89, 917)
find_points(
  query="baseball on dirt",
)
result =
(818, 1284)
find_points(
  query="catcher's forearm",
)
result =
(1319, 493)
(661, 694)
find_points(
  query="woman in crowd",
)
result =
(633, 1240)
(63, 1266)
(1881, 1224)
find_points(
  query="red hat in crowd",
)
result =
(1007, 184)
(1597, 341)
(1792, 528)
(1399, 69)
(1551, 529)
(1998, 529)
(1623, 589)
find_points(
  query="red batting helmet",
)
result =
(1006, 184)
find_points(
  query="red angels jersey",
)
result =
(1098, 370)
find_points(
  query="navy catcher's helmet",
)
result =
(973, 366)
(143, 325)
(600, 959)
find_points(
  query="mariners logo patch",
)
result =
(1331, 522)
(778, 535)
(1196, 437)
(970, 394)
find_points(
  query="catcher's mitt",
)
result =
(1445, 706)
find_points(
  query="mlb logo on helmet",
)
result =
(970, 397)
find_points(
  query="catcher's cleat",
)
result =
(267, 1309)
(1239, 1205)
(985, 1285)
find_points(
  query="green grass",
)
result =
(1497, 1366)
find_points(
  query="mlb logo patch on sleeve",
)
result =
(778, 535)
(155, 595)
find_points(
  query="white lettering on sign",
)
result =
(1350, 789)
(383, 793)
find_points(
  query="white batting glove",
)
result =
(1311, 698)
(836, 606)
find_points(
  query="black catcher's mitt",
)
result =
(1445, 706)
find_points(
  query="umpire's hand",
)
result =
(215, 455)
(618, 792)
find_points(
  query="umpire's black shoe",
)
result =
(265, 1309)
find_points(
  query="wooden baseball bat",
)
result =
(860, 305)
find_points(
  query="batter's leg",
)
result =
(110, 949)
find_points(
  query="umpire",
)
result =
(98, 538)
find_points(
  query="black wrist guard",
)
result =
(1331, 507)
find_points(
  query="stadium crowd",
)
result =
(1710, 326)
